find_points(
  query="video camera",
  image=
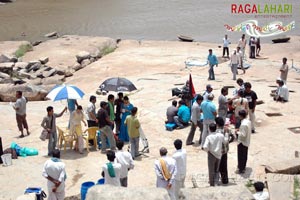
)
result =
(184, 94)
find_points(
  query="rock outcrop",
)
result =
(31, 92)
(48, 64)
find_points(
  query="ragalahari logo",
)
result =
(251, 28)
(261, 8)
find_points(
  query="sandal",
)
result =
(21, 136)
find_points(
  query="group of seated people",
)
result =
(178, 116)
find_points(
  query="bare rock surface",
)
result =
(115, 193)
(230, 192)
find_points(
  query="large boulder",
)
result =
(82, 55)
(21, 65)
(6, 67)
(31, 92)
(56, 80)
(4, 58)
(114, 193)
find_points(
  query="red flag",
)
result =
(192, 89)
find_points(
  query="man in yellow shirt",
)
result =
(133, 126)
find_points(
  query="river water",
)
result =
(203, 20)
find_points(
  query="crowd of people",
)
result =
(120, 116)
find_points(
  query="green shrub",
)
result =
(296, 189)
(23, 49)
(108, 50)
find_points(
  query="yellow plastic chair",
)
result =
(90, 134)
(65, 137)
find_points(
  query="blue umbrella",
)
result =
(61, 92)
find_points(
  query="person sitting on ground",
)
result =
(111, 170)
(282, 92)
(275, 92)
(171, 112)
(183, 116)
(260, 193)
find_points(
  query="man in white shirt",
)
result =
(239, 53)
(284, 70)
(244, 133)
(213, 147)
(126, 161)
(165, 169)
(282, 92)
(242, 44)
(91, 112)
(20, 108)
(195, 118)
(260, 193)
(226, 43)
(54, 172)
(180, 157)
(208, 91)
(112, 170)
(234, 62)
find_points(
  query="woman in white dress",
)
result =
(77, 117)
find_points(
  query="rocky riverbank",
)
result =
(36, 69)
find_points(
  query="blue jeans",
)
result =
(211, 73)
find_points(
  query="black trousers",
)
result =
(242, 155)
(225, 49)
(223, 169)
(252, 51)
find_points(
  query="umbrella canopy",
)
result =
(117, 84)
(61, 92)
